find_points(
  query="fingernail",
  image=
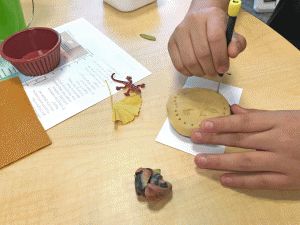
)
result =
(227, 181)
(198, 136)
(239, 47)
(201, 161)
(208, 124)
(234, 38)
(223, 69)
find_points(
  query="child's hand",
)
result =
(198, 45)
(275, 135)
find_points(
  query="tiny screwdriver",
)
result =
(233, 10)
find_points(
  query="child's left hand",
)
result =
(274, 134)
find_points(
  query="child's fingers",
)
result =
(237, 45)
(217, 42)
(176, 59)
(254, 140)
(236, 109)
(243, 123)
(260, 180)
(246, 161)
(202, 51)
(187, 54)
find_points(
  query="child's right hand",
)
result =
(198, 45)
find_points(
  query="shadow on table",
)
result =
(292, 195)
(156, 206)
(272, 194)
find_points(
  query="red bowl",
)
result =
(33, 51)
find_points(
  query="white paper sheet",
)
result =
(170, 137)
(88, 59)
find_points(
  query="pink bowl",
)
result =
(33, 51)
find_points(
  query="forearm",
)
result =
(200, 4)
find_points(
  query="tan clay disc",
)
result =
(188, 107)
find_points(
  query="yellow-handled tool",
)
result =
(233, 10)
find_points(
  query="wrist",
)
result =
(199, 5)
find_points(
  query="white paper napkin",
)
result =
(170, 137)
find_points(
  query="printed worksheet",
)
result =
(88, 58)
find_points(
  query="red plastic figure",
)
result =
(128, 84)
